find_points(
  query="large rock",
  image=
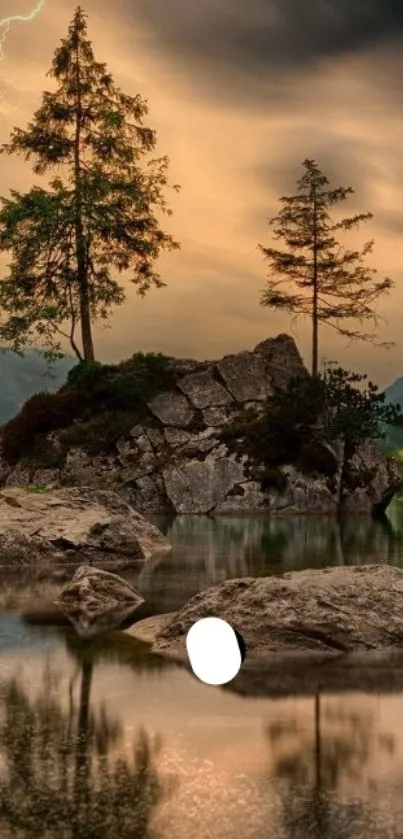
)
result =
(304, 494)
(370, 481)
(281, 359)
(306, 632)
(203, 390)
(74, 525)
(97, 601)
(245, 376)
(172, 408)
(199, 486)
(338, 609)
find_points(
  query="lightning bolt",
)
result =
(5, 23)
(5, 26)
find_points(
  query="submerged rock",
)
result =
(73, 525)
(97, 601)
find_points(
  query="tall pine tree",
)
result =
(327, 282)
(100, 213)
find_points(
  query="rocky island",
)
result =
(180, 443)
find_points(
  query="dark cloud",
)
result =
(341, 159)
(263, 39)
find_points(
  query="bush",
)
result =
(126, 385)
(93, 393)
(353, 412)
(86, 375)
(312, 411)
(397, 458)
(316, 457)
(41, 414)
(287, 424)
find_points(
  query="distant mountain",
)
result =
(394, 436)
(394, 393)
(21, 377)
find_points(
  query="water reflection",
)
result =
(321, 770)
(338, 748)
(62, 773)
(208, 550)
(81, 757)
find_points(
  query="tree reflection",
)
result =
(58, 774)
(313, 769)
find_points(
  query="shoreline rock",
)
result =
(73, 526)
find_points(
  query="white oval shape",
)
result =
(213, 651)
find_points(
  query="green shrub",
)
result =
(142, 376)
(397, 457)
(125, 385)
(86, 374)
(311, 412)
(94, 393)
(41, 414)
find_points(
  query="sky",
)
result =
(240, 93)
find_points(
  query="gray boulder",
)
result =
(97, 601)
(199, 486)
(369, 481)
(281, 359)
(203, 390)
(73, 525)
(245, 376)
(172, 408)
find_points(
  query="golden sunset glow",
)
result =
(238, 101)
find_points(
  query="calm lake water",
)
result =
(101, 740)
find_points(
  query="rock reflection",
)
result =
(207, 551)
(60, 773)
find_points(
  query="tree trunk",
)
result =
(318, 756)
(315, 339)
(320, 827)
(82, 272)
(81, 779)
